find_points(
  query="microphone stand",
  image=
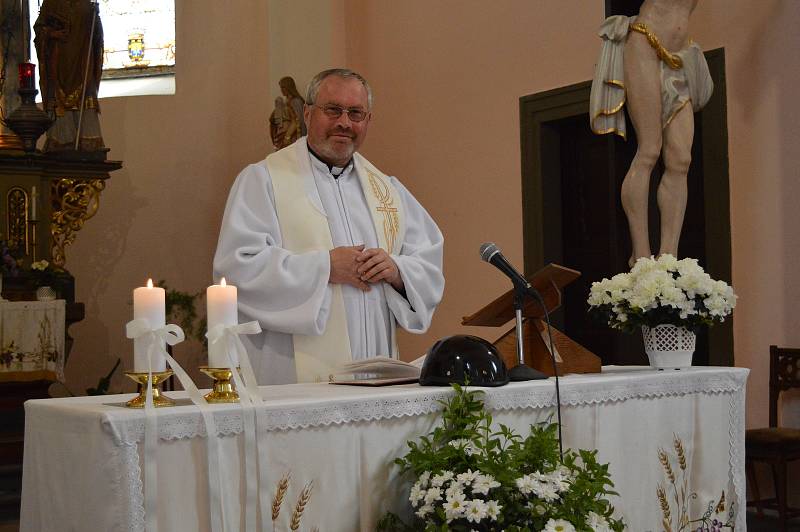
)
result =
(522, 372)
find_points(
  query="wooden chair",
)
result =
(774, 445)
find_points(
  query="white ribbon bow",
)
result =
(249, 397)
(230, 335)
(172, 335)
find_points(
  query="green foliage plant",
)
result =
(181, 308)
(472, 475)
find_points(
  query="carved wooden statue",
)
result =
(69, 43)
(648, 64)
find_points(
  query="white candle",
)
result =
(34, 198)
(221, 310)
(148, 304)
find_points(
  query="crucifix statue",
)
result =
(649, 65)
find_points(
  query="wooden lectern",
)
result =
(574, 358)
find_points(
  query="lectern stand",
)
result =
(571, 357)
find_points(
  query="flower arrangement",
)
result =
(42, 272)
(473, 476)
(661, 291)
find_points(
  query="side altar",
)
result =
(45, 200)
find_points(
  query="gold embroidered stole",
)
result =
(304, 227)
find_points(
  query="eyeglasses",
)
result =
(334, 111)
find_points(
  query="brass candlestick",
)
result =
(159, 400)
(222, 391)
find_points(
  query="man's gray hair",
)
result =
(313, 86)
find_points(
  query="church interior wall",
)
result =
(447, 78)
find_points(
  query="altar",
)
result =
(677, 433)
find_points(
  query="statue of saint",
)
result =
(648, 64)
(284, 126)
(294, 101)
(69, 43)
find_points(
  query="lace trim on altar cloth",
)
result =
(129, 489)
(736, 429)
(332, 409)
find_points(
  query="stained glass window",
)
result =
(138, 42)
(139, 37)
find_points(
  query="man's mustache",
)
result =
(342, 131)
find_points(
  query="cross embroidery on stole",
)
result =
(391, 221)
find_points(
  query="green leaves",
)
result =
(529, 482)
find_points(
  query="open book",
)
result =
(378, 371)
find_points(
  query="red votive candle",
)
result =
(27, 78)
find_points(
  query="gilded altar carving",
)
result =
(74, 202)
(17, 219)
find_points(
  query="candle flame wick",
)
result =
(222, 282)
(149, 283)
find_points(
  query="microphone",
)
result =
(491, 253)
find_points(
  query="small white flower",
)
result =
(438, 480)
(668, 262)
(559, 525)
(525, 484)
(559, 480)
(423, 479)
(545, 491)
(493, 509)
(536, 508)
(417, 494)
(597, 523)
(456, 488)
(40, 265)
(475, 510)
(433, 495)
(483, 483)
(467, 478)
(455, 506)
(424, 510)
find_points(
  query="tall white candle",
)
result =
(149, 304)
(221, 310)
(34, 201)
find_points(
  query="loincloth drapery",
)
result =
(684, 77)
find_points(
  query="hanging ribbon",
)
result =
(249, 398)
(155, 338)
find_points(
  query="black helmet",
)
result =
(463, 358)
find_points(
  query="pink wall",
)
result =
(447, 77)
(159, 216)
(446, 120)
(451, 132)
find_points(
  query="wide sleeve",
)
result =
(285, 292)
(420, 265)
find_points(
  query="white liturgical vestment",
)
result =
(289, 294)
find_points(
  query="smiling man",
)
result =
(329, 254)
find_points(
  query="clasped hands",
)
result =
(361, 267)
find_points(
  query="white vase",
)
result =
(668, 346)
(45, 293)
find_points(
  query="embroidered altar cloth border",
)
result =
(32, 340)
(302, 406)
(83, 455)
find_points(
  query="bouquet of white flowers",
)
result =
(661, 291)
(472, 476)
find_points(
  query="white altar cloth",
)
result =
(32, 340)
(82, 462)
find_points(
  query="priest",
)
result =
(329, 254)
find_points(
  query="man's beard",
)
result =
(334, 149)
